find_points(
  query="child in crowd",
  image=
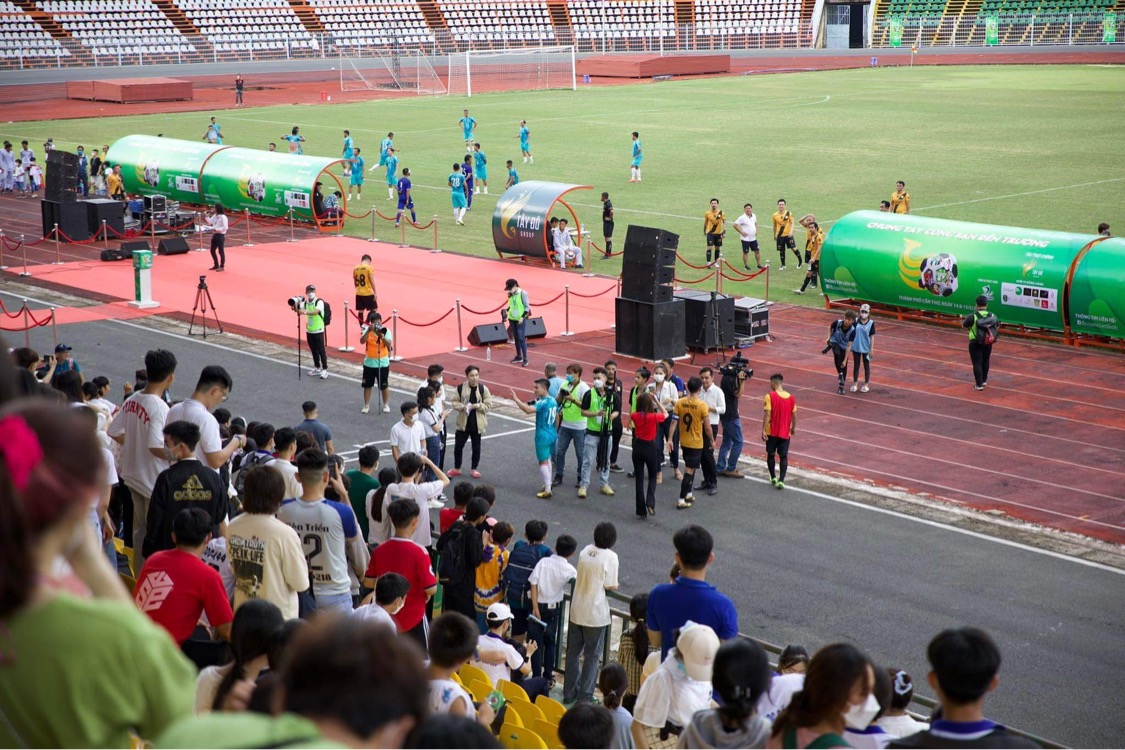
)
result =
(462, 493)
(490, 571)
(587, 726)
(525, 555)
(739, 678)
(680, 686)
(613, 682)
(896, 721)
(453, 641)
(35, 178)
(548, 586)
(634, 649)
(19, 178)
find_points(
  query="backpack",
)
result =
(452, 547)
(988, 329)
(521, 561)
(254, 459)
(327, 313)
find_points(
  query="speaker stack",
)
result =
(650, 322)
(111, 211)
(708, 323)
(62, 177)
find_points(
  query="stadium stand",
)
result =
(499, 24)
(621, 19)
(735, 18)
(113, 28)
(269, 26)
(963, 22)
(372, 23)
(21, 36)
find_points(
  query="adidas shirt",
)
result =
(186, 484)
(325, 527)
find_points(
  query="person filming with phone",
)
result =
(376, 360)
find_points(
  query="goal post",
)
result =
(529, 69)
(378, 69)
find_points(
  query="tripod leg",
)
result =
(214, 312)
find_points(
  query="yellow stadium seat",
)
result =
(469, 673)
(520, 738)
(513, 691)
(457, 678)
(128, 552)
(528, 712)
(549, 732)
(479, 690)
(552, 710)
(129, 581)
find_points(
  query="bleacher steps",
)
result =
(560, 19)
(434, 19)
(308, 17)
(184, 25)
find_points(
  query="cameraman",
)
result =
(731, 448)
(376, 360)
(313, 310)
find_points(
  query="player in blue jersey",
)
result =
(457, 194)
(387, 144)
(546, 411)
(635, 170)
(392, 168)
(513, 175)
(481, 168)
(348, 153)
(295, 141)
(405, 197)
(525, 145)
(467, 170)
(356, 180)
(468, 126)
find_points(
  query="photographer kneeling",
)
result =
(376, 360)
(735, 374)
(313, 310)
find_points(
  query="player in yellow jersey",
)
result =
(363, 276)
(813, 242)
(900, 199)
(714, 227)
(783, 233)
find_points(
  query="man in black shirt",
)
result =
(731, 448)
(187, 483)
(613, 384)
(607, 223)
(461, 549)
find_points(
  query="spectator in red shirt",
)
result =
(462, 494)
(401, 554)
(175, 586)
(646, 420)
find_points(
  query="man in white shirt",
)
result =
(387, 599)
(548, 582)
(408, 435)
(139, 427)
(747, 227)
(213, 388)
(589, 613)
(716, 401)
(425, 494)
(569, 253)
(285, 448)
(680, 686)
(497, 639)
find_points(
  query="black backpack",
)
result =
(254, 459)
(327, 313)
(988, 329)
(452, 548)
(521, 562)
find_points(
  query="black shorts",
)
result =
(748, 245)
(607, 229)
(814, 266)
(778, 446)
(692, 457)
(786, 242)
(373, 374)
(714, 240)
(365, 302)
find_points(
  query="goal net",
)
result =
(380, 69)
(530, 69)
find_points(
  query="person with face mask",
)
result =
(667, 393)
(837, 695)
(873, 736)
(601, 406)
(860, 347)
(572, 425)
(516, 313)
(313, 310)
(386, 601)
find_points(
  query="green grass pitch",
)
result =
(1034, 146)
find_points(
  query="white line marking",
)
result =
(1018, 195)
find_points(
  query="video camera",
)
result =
(737, 367)
(296, 301)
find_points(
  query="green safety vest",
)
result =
(516, 308)
(314, 321)
(597, 404)
(571, 412)
(977, 315)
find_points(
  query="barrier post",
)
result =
(24, 272)
(345, 347)
(460, 339)
(105, 236)
(246, 215)
(394, 335)
(768, 284)
(436, 250)
(402, 230)
(589, 256)
(54, 327)
(566, 308)
(292, 238)
(58, 248)
(372, 239)
(26, 326)
(3, 267)
(199, 230)
(151, 229)
(340, 226)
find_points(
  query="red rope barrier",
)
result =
(37, 322)
(422, 226)
(8, 246)
(554, 299)
(384, 218)
(39, 241)
(69, 241)
(689, 264)
(431, 323)
(359, 216)
(25, 328)
(688, 281)
(603, 252)
(607, 291)
(739, 275)
(16, 314)
(270, 221)
(487, 312)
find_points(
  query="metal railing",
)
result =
(1071, 29)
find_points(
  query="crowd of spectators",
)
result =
(278, 600)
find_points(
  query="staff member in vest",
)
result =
(517, 311)
(219, 224)
(313, 310)
(600, 406)
(376, 361)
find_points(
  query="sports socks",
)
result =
(686, 484)
(770, 464)
(545, 475)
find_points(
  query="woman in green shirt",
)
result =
(77, 671)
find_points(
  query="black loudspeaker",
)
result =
(536, 329)
(71, 218)
(708, 324)
(643, 288)
(61, 178)
(58, 157)
(132, 245)
(490, 333)
(650, 330)
(108, 210)
(119, 254)
(173, 246)
(649, 246)
(649, 266)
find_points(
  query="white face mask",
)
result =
(312, 296)
(599, 383)
(439, 380)
(859, 717)
(169, 456)
(658, 378)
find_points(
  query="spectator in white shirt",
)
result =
(873, 736)
(679, 687)
(213, 388)
(716, 401)
(499, 620)
(548, 582)
(589, 613)
(896, 722)
(408, 435)
(424, 494)
(387, 599)
(285, 448)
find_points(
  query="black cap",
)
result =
(510, 284)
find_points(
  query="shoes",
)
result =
(324, 374)
(630, 474)
(220, 269)
(516, 360)
(978, 387)
(840, 390)
(712, 489)
(365, 409)
(632, 180)
(454, 472)
(761, 268)
(396, 225)
(615, 468)
(314, 372)
(556, 481)
(985, 383)
(386, 408)
(474, 474)
(733, 474)
(678, 474)
(581, 492)
(580, 266)
(854, 388)
(799, 266)
(783, 268)
(659, 477)
(606, 490)
(213, 268)
(526, 363)
(864, 389)
(748, 267)
(543, 494)
(652, 510)
(436, 503)
(798, 291)
(780, 485)
(773, 481)
(682, 504)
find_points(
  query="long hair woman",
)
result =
(648, 420)
(253, 630)
(836, 695)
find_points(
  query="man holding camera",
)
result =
(376, 360)
(517, 311)
(313, 310)
(734, 376)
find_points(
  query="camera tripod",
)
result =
(716, 331)
(202, 301)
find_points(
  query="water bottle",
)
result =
(488, 353)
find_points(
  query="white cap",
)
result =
(499, 612)
(697, 645)
(865, 308)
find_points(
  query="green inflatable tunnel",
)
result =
(267, 183)
(1035, 278)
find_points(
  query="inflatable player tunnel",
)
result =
(521, 220)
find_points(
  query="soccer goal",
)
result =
(531, 69)
(378, 69)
